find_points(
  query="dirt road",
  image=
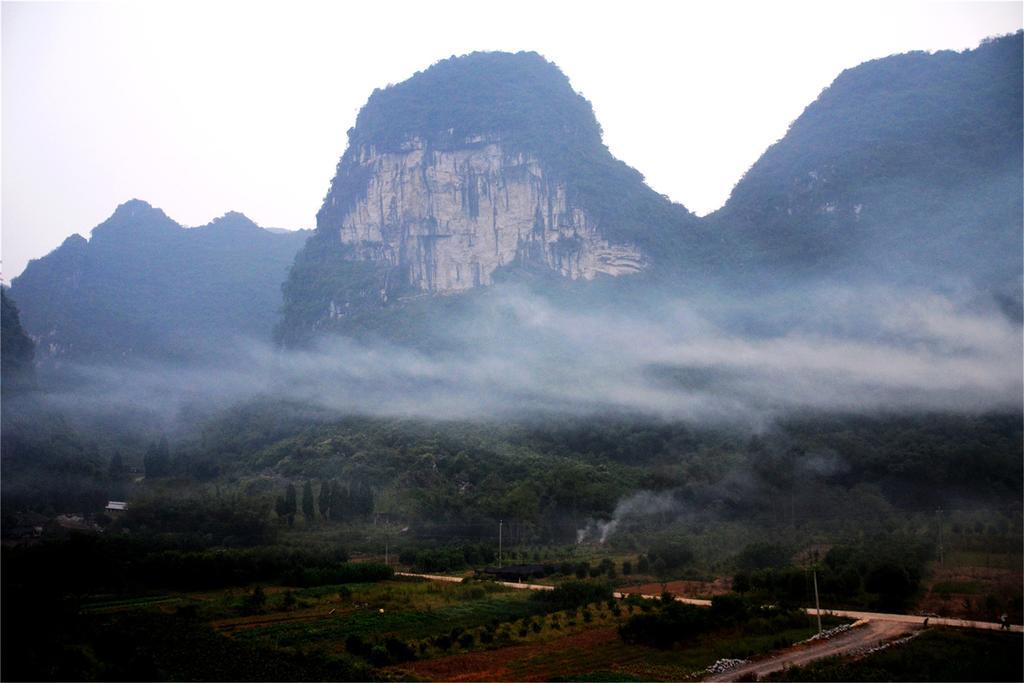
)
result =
(910, 619)
(864, 636)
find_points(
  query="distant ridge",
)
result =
(144, 287)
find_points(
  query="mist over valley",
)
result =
(500, 355)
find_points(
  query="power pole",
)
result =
(939, 514)
(501, 523)
(817, 605)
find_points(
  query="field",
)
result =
(403, 610)
(597, 650)
(452, 631)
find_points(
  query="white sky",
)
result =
(207, 107)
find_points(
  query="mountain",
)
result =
(906, 170)
(477, 167)
(17, 352)
(143, 286)
(905, 173)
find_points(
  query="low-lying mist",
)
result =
(516, 353)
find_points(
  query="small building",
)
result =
(116, 506)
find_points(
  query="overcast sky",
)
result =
(204, 108)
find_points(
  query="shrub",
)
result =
(572, 594)
(398, 650)
(354, 645)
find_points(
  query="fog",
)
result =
(517, 353)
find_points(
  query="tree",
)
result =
(290, 503)
(324, 502)
(308, 507)
(662, 571)
(256, 601)
(157, 460)
(339, 502)
(116, 471)
(892, 583)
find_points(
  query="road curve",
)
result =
(865, 635)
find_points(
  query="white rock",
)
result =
(452, 218)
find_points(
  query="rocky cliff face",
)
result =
(478, 166)
(447, 220)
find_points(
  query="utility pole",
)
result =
(817, 605)
(939, 514)
(501, 523)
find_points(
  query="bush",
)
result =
(350, 572)
(398, 650)
(572, 594)
(379, 656)
(354, 645)
(673, 623)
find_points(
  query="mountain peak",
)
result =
(132, 217)
(520, 97)
(74, 241)
(133, 208)
(233, 221)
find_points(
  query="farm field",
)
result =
(453, 631)
(597, 650)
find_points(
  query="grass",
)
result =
(977, 558)
(410, 611)
(963, 587)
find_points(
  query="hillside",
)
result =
(906, 170)
(17, 351)
(143, 286)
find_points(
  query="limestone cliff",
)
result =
(447, 220)
(481, 164)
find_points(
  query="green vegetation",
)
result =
(16, 368)
(674, 623)
(882, 573)
(906, 163)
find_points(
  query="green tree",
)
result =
(157, 460)
(339, 502)
(290, 503)
(324, 502)
(308, 506)
(116, 470)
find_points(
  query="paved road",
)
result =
(849, 614)
(864, 635)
